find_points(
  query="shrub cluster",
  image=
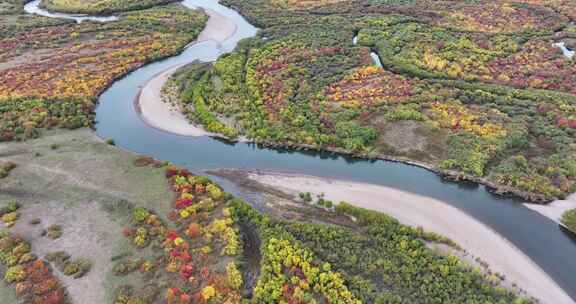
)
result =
(189, 255)
(76, 268)
(569, 219)
(31, 277)
(478, 97)
(5, 168)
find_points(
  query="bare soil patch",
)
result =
(75, 180)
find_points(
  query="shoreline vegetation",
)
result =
(569, 219)
(151, 219)
(281, 88)
(164, 115)
(457, 175)
(98, 7)
(418, 211)
(84, 59)
(314, 273)
(154, 108)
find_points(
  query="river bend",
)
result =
(544, 241)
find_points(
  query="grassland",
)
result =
(75, 180)
(136, 219)
(156, 233)
(474, 90)
(452, 95)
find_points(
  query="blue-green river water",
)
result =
(548, 244)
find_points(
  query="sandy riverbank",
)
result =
(433, 215)
(555, 209)
(167, 117)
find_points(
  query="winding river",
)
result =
(33, 7)
(548, 244)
